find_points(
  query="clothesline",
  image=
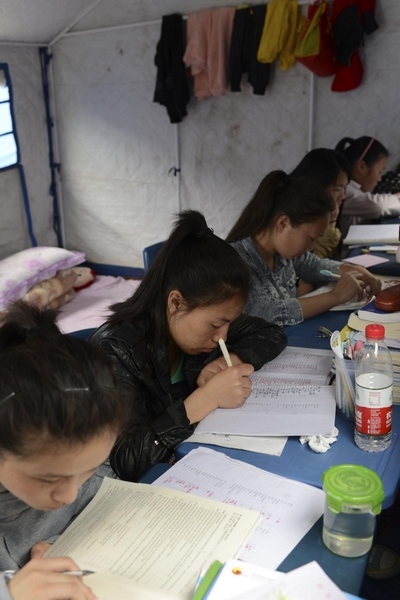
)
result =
(145, 23)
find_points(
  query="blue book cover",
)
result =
(370, 313)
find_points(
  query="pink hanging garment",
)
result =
(219, 48)
(198, 35)
(209, 35)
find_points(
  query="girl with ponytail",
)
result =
(275, 235)
(163, 342)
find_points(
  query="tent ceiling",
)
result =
(40, 21)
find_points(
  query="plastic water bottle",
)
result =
(374, 387)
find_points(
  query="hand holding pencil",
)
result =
(49, 579)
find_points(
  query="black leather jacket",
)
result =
(146, 372)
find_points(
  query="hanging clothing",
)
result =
(246, 35)
(209, 34)
(280, 32)
(350, 20)
(172, 88)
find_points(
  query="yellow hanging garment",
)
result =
(279, 22)
(294, 31)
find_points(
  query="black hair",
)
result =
(366, 148)
(194, 261)
(323, 165)
(54, 388)
(302, 200)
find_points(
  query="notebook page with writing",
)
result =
(289, 508)
(152, 536)
(277, 406)
(300, 361)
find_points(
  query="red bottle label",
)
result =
(373, 421)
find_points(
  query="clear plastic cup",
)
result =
(345, 388)
(354, 497)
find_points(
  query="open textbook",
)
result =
(150, 543)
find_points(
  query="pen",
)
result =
(9, 574)
(329, 274)
(225, 352)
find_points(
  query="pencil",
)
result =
(225, 352)
(9, 573)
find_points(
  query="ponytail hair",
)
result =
(54, 388)
(363, 148)
(301, 199)
(204, 268)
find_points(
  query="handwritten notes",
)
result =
(277, 410)
(301, 361)
(288, 508)
(288, 397)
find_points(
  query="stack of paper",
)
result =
(243, 581)
(238, 580)
(372, 234)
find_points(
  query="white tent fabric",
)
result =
(117, 146)
(29, 109)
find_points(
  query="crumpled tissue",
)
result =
(320, 443)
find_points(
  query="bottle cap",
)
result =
(353, 485)
(375, 332)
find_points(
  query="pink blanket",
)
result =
(90, 306)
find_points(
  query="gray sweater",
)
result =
(273, 293)
(22, 526)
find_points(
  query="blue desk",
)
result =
(301, 463)
(391, 268)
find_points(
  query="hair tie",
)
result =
(204, 231)
(367, 148)
(284, 181)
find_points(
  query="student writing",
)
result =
(60, 414)
(275, 235)
(368, 159)
(164, 342)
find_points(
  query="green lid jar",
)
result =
(354, 495)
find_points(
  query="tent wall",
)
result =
(117, 146)
(24, 67)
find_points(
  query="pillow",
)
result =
(19, 272)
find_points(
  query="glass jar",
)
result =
(353, 498)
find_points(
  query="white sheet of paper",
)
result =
(277, 410)
(289, 508)
(301, 361)
(237, 576)
(366, 260)
(309, 582)
(153, 536)
(261, 444)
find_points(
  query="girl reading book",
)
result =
(275, 235)
(164, 342)
(60, 413)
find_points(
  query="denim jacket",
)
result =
(273, 293)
